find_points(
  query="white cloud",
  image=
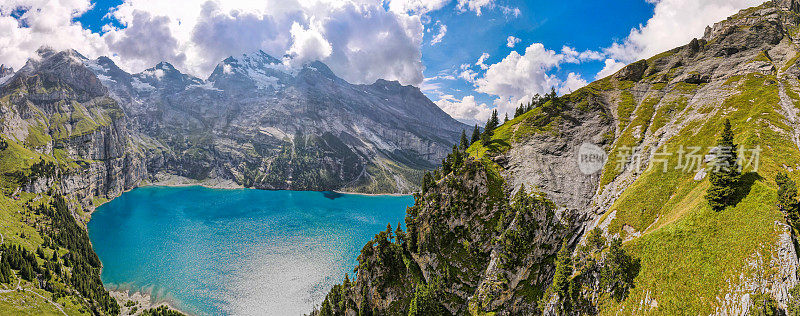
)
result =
(48, 23)
(466, 109)
(611, 67)
(130, 44)
(481, 61)
(674, 23)
(510, 11)
(308, 44)
(474, 5)
(359, 39)
(573, 82)
(439, 36)
(520, 75)
(416, 6)
(517, 78)
(573, 56)
(512, 41)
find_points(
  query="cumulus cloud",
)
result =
(474, 5)
(611, 66)
(359, 39)
(466, 109)
(44, 23)
(674, 23)
(370, 43)
(512, 41)
(308, 44)
(159, 46)
(573, 82)
(481, 61)
(518, 77)
(439, 36)
(416, 6)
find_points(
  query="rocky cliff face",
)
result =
(268, 125)
(654, 121)
(57, 107)
(255, 121)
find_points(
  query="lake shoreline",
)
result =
(143, 301)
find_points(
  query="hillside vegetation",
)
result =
(658, 121)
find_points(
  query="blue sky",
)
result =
(457, 51)
(583, 25)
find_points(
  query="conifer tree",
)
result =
(488, 131)
(787, 197)
(725, 171)
(26, 271)
(427, 182)
(457, 159)
(476, 135)
(463, 143)
(561, 279)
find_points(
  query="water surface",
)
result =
(242, 252)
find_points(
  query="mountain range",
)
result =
(514, 224)
(255, 121)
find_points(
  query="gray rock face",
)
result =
(265, 124)
(549, 161)
(59, 108)
(255, 121)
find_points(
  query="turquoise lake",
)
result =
(236, 252)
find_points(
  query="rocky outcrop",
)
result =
(632, 72)
(59, 108)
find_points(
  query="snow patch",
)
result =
(95, 67)
(157, 73)
(105, 78)
(141, 86)
(206, 86)
(6, 78)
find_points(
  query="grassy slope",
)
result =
(689, 252)
(16, 221)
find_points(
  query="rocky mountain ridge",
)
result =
(255, 121)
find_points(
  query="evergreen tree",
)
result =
(476, 135)
(793, 306)
(787, 197)
(399, 235)
(561, 279)
(426, 300)
(493, 122)
(595, 241)
(725, 171)
(427, 182)
(5, 272)
(619, 270)
(488, 131)
(26, 271)
(463, 143)
(457, 159)
(506, 119)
